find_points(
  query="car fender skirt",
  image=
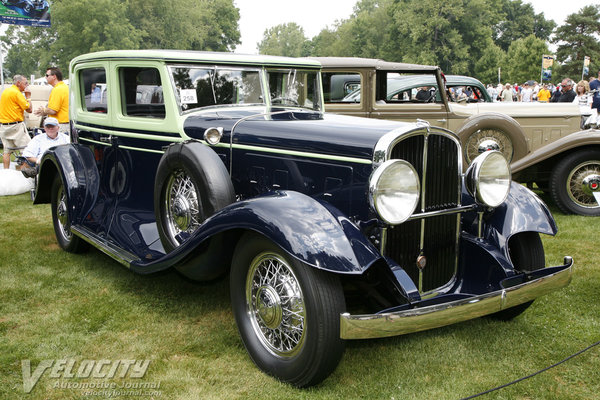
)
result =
(454, 308)
(77, 168)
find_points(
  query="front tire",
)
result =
(287, 312)
(574, 181)
(527, 254)
(60, 219)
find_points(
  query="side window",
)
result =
(394, 87)
(341, 87)
(93, 85)
(141, 92)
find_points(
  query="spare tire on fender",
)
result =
(492, 131)
(191, 184)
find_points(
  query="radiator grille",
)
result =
(435, 158)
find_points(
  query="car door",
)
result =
(401, 104)
(144, 123)
(92, 123)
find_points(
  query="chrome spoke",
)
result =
(276, 305)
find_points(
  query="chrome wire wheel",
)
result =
(182, 205)
(488, 139)
(276, 305)
(62, 217)
(583, 181)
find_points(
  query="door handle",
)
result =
(106, 139)
(441, 120)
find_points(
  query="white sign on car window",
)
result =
(188, 96)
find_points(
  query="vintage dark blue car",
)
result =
(31, 8)
(331, 227)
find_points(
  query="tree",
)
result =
(83, 26)
(524, 59)
(578, 38)
(517, 21)
(284, 40)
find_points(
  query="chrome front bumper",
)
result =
(434, 316)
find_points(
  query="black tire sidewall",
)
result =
(310, 365)
(75, 244)
(558, 181)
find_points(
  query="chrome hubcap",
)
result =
(486, 140)
(583, 184)
(276, 305)
(61, 215)
(183, 206)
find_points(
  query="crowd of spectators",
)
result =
(584, 93)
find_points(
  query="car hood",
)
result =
(331, 134)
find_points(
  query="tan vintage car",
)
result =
(39, 97)
(547, 144)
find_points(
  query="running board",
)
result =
(122, 256)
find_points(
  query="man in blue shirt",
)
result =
(40, 143)
(595, 85)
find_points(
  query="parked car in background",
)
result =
(331, 227)
(547, 144)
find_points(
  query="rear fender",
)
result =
(76, 166)
(581, 139)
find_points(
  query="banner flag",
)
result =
(547, 62)
(586, 67)
(25, 12)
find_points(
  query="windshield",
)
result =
(295, 88)
(202, 86)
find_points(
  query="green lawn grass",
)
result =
(55, 305)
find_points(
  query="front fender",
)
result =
(308, 230)
(76, 166)
(314, 233)
(523, 211)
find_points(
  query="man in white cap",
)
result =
(40, 143)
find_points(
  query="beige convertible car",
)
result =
(547, 144)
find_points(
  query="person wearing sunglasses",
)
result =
(58, 103)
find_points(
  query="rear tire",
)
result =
(287, 312)
(60, 219)
(527, 254)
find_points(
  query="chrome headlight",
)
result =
(394, 191)
(488, 178)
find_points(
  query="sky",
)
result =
(314, 15)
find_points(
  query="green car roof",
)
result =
(197, 56)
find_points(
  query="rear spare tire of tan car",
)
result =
(191, 184)
(492, 131)
(574, 180)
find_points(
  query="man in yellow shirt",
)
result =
(12, 105)
(544, 95)
(58, 103)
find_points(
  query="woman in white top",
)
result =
(583, 98)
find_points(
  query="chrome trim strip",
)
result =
(448, 211)
(429, 317)
(122, 256)
(129, 134)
